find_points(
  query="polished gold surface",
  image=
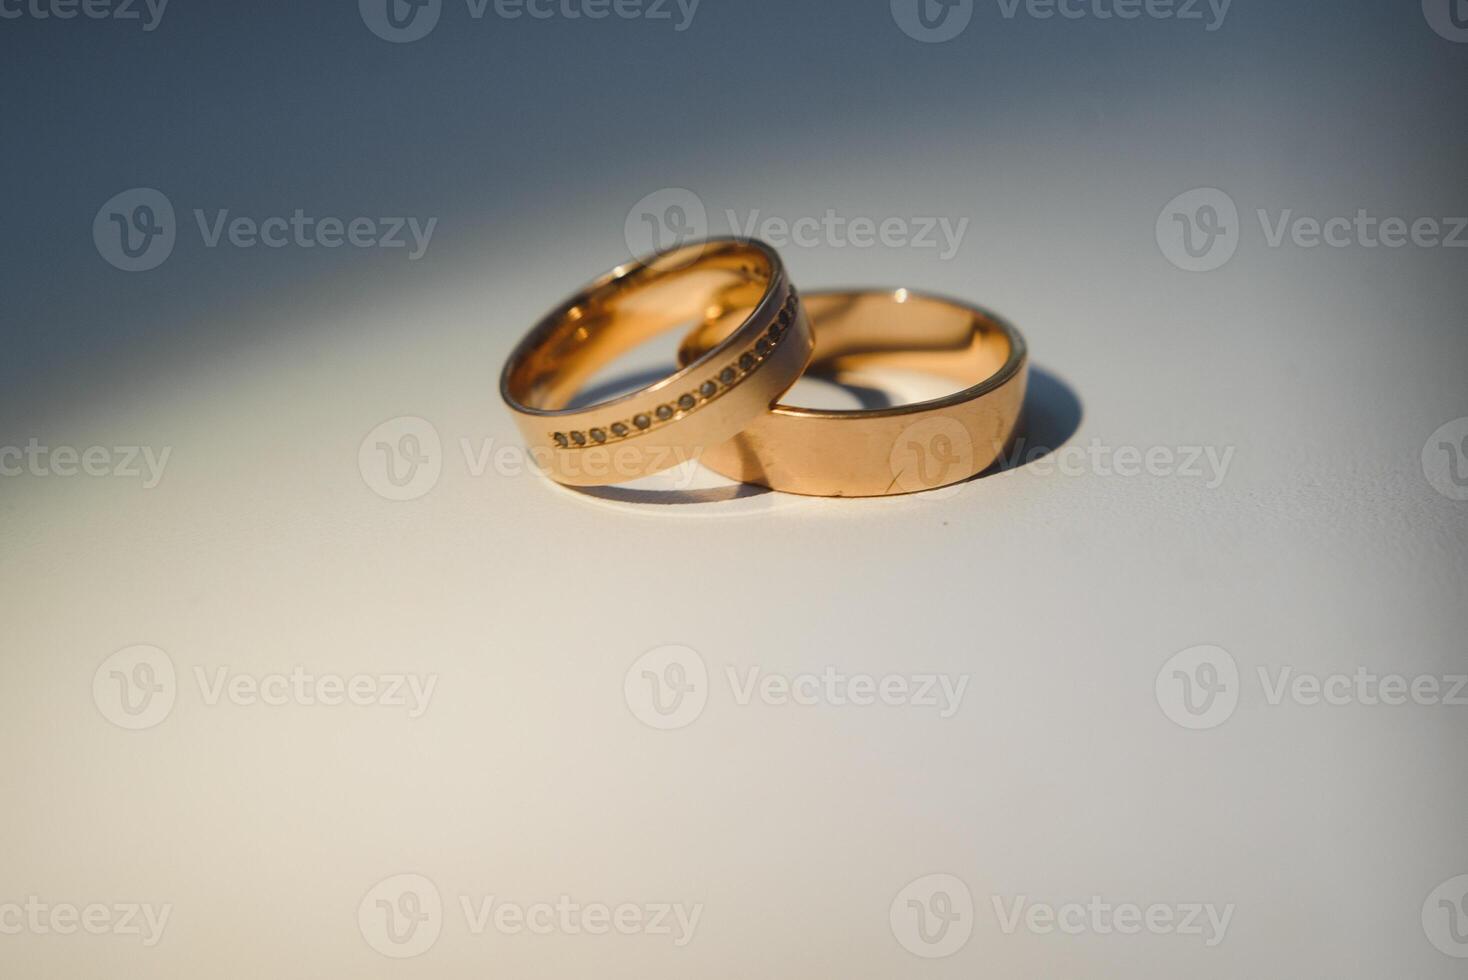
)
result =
(901, 449)
(765, 345)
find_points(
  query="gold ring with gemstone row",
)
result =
(712, 397)
(900, 449)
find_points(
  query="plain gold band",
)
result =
(717, 393)
(901, 449)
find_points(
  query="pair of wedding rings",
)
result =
(749, 338)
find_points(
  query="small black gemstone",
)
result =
(785, 316)
(619, 428)
(665, 412)
(641, 421)
(579, 438)
(727, 375)
(746, 361)
(561, 440)
(707, 389)
(687, 402)
(599, 435)
(775, 332)
(762, 347)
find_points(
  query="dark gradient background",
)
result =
(524, 137)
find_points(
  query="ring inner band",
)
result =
(893, 330)
(723, 282)
(904, 448)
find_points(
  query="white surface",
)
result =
(1058, 597)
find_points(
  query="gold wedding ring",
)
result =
(901, 449)
(715, 395)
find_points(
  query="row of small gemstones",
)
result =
(731, 375)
